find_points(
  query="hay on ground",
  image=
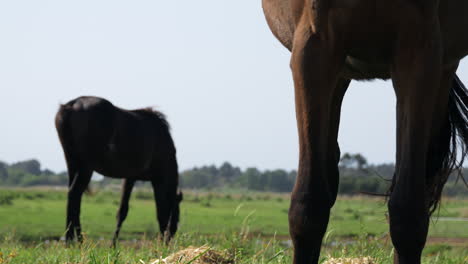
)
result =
(364, 260)
(197, 255)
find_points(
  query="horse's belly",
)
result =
(123, 162)
(121, 170)
(365, 29)
(362, 70)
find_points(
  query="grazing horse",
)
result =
(416, 43)
(130, 145)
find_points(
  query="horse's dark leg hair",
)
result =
(442, 156)
(318, 94)
(162, 207)
(72, 167)
(72, 174)
(78, 186)
(69, 228)
(437, 163)
(416, 74)
(123, 210)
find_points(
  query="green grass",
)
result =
(36, 214)
(250, 250)
(252, 227)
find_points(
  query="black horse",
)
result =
(131, 145)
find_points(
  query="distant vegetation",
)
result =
(29, 173)
(357, 176)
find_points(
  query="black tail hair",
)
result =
(454, 147)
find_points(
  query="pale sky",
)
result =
(212, 66)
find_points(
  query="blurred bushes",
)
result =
(356, 177)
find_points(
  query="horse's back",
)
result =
(84, 125)
(79, 114)
(87, 103)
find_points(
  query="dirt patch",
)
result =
(197, 255)
(364, 260)
(454, 241)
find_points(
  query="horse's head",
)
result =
(175, 213)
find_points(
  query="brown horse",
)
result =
(416, 43)
(131, 145)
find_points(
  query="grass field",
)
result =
(250, 227)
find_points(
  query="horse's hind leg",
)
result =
(123, 210)
(421, 108)
(318, 93)
(79, 183)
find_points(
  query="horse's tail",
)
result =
(64, 130)
(452, 149)
(458, 112)
(62, 124)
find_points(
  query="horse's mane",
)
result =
(150, 111)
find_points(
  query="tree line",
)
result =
(29, 173)
(356, 176)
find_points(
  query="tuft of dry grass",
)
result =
(196, 255)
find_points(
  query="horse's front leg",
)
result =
(422, 100)
(315, 64)
(163, 207)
